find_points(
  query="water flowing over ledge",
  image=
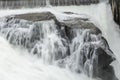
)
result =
(74, 43)
(13, 4)
(103, 19)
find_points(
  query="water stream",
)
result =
(46, 46)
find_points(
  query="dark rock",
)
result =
(97, 58)
(91, 56)
(72, 25)
(80, 44)
(79, 23)
(36, 16)
(107, 73)
(104, 59)
(69, 13)
(115, 6)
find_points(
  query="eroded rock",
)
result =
(76, 43)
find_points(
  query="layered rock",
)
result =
(75, 43)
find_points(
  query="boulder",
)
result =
(104, 59)
(107, 73)
(79, 23)
(92, 48)
(36, 16)
(76, 42)
(82, 24)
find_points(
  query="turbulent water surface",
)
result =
(17, 63)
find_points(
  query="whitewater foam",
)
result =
(101, 16)
(16, 64)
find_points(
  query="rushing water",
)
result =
(13, 4)
(44, 39)
(14, 65)
(17, 64)
(40, 38)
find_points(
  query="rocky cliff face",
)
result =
(115, 6)
(75, 43)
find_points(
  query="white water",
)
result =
(102, 16)
(18, 65)
(11, 67)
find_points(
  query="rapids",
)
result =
(19, 64)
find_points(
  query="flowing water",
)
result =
(13, 4)
(46, 46)
(19, 64)
(44, 39)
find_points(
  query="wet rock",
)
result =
(92, 51)
(104, 59)
(107, 73)
(69, 13)
(76, 43)
(78, 23)
(115, 6)
(36, 16)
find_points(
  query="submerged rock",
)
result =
(76, 43)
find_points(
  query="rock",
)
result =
(36, 16)
(115, 6)
(92, 55)
(98, 58)
(78, 23)
(107, 73)
(76, 43)
(104, 59)
(69, 13)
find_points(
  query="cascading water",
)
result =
(47, 3)
(40, 38)
(13, 4)
(17, 64)
(82, 50)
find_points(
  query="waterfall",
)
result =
(43, 39)
(75, 50)
(78, 49)
(17, 64)
(47, 3)
(13, 4)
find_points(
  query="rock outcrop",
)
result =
(75, 43)
(115, 6)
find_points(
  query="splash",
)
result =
(18, 64)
